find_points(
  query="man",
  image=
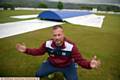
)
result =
(63, 54)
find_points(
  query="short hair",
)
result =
(56, 27)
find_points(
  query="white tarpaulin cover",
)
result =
(14, 28)
(92, 20)
(87, 20)
(24, 16)
(74, 17)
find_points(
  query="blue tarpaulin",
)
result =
(60, 15)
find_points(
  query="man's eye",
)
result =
(58, 34)
(54, 35)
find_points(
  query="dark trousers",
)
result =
(70, 72)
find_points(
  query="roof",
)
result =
(60, 15)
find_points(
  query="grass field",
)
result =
(103, 42)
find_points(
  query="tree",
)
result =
(42, 5)
(5, 6)
(60, 5)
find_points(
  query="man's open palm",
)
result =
(94, 62)
(21, 47)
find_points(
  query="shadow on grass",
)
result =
(54, 76)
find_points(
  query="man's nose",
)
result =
(57, 37)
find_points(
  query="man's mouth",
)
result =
(58, 42)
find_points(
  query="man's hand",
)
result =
(94, 62)
(21, 47)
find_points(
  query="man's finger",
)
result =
(17, 45)
(23, 43)
(94, 57)
(98, 63)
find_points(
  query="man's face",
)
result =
(58, 36)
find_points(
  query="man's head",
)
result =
(58, 35)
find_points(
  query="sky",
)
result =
(89, 1)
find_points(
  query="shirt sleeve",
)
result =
(36, 51)
(79, 59)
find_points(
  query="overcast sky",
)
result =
(89, 1)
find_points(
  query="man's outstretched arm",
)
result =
(88, 64)
(32, 51)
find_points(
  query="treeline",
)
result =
(30, 4)
(45, 4)
(101, 7)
